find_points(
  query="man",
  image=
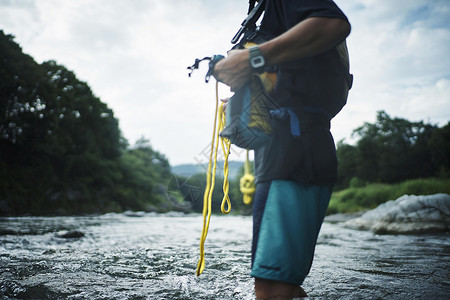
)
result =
(305, 41)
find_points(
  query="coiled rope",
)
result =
(219, 124)
(247, 183)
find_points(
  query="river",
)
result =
(153, 256)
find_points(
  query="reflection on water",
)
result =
(151, 256)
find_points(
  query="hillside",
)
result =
(187, 170)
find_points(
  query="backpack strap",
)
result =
(288, 113)
(249, 24)
(251, 5)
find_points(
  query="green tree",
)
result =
(348, 165)
(394, 149)
(439, 145)
(59, 144)
(145, 177)
(390, 150)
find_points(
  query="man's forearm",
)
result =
(308, 38)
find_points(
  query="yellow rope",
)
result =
(210, 178)
(247, 183)
(226, 146)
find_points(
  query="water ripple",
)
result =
(153, 256)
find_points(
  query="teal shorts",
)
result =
(287, 217)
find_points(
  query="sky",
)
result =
(134, 55)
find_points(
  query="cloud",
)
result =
(398, 55)
(134, 55)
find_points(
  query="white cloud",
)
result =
(398, 55)
(134, 56)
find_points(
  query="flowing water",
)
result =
(153, 256)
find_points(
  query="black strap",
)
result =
(251, 5)
(250, 20)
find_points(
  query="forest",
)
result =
(62, 151)
(393, 150)
(61, 148)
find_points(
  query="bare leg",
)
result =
(275, 290)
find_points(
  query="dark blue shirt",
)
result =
(315, 88)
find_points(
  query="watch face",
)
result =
(257, 62)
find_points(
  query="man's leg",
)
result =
(269, 289)
(283, 251)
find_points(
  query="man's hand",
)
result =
(234, 70)
(225, 103)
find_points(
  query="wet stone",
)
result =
(408, 214)
(73, 234)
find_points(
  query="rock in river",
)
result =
(72, 234)
(408, 214)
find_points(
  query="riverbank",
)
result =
(363, 197)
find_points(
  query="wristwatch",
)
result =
(257, 61)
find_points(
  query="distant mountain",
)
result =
(191, 169)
